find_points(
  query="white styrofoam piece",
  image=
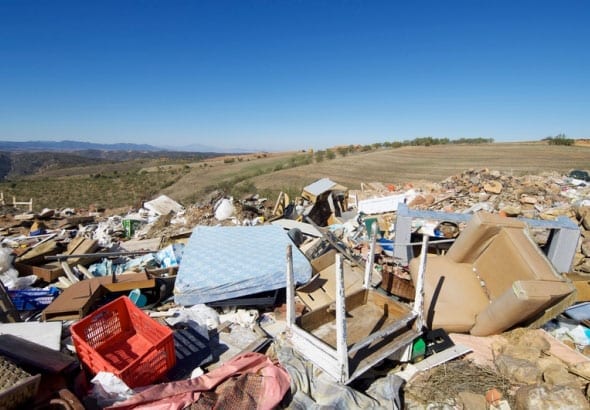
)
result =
(46, 334)
(163, 205)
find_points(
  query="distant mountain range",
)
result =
(67, 145)
(71, 146)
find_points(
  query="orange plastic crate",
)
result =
(122, 339)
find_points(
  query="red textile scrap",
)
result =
(181, 394)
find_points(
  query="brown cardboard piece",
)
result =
(77, 300)
(321, 289)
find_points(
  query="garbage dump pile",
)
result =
(473, 292)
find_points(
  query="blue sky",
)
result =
(292, 74)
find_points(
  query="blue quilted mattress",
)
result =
(225, 262)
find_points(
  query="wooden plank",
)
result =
(341, 344)
(86, 246)
(316, 351)
(419, 298)
(553, 311)
(370, 256)
(69, 274)
(290, 288)
(37, 252)
(85, 272)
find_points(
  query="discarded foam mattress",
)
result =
(224, 262)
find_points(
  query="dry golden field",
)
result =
(398, 166)
(270, 173)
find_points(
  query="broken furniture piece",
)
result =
(329, 200)
(348, 337)
(492, 278)
(18, 388)
(560, 248)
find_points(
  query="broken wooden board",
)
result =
(36, 253)
(81, 245)
(50, 271)
(74, 221)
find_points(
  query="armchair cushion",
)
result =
(519, 302)
(452, 294)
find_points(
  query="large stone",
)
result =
(585, 214)
(528, 338)
(530, 353)
(418, 200)
(584, 266)
(582, 369)
(578, 258)
(511, 210)
(586, 247)
(528, 199)
(557, 375)
(547, 362)
(493, 187)
(547, 398)
(518, 370)
(472, 401)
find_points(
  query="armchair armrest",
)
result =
(519, 303)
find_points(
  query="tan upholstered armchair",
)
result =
(492, 278)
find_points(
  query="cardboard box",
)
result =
(77, 300)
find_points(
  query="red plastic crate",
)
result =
(122, 339)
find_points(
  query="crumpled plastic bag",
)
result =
(202, 314)
(9, 275)
(5, 259)
(224, 209)
(108, 389)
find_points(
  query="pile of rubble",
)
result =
(172, 305)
